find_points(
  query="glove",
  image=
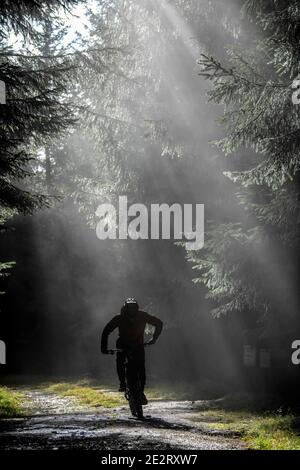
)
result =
(153, 341)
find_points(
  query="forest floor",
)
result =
(66, 416)
(83, 414)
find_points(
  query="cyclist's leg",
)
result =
(141, 368)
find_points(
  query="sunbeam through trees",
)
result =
(149, 151)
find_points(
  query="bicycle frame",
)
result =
(133, 391)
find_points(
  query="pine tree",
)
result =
(248, 265)
(31, 110)
(62, 168)
(136, 118)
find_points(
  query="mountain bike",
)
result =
(133, 392)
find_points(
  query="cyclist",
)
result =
(131, 323)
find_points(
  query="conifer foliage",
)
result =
(245, 264)
(31, 109)
(34, 109)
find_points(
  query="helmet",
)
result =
(131, 302)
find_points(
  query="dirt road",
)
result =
(60, 423)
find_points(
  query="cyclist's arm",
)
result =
(157, 323)
(111, 326)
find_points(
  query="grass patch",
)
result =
(162, 393)
(178, 391)
(87, 395)
(260, 431)
(10, 403)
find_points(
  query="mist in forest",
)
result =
(147, 135)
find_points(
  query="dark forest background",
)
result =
(163, 101)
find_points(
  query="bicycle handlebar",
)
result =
(116, 350)
(113, 351)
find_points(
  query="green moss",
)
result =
(260, 431)
(10, 403)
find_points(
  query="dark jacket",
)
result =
(131, 329)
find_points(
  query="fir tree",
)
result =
(246, 266)
(32, 109)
